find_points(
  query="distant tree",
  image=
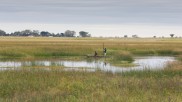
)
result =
(16, 33)
(88, 35)
(172, 35)
(125, 36)
(62, 34)
(84, 34)
(26, 32)
(45, 33)
(154, 36)
(58, 35)
(69, 33)
(135, 36)
(35, 33)
(2, 33)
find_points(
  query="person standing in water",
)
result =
(104, 51)
(95, 55)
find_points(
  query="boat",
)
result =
(98, 56)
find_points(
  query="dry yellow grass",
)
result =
(26, 47)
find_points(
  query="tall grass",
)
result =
(24, 47)
(37, 85)
(123, 56)
(46, 86)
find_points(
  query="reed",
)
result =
(46, 86)
(123, 56)
(22, 47)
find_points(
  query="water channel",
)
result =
(142, 63)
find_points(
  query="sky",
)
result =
(107, 18)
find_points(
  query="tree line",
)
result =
(36, 33)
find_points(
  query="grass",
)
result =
(123, 58)
(46, 86)
(38, 85)
(38, 47)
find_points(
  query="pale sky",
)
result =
(144, 18)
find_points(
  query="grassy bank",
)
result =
(28, 48)
(48, 86)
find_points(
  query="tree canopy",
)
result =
(84, 34)
(69, 33)
(2, 33)
(172, 35)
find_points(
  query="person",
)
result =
(95, 54)
(104, 50)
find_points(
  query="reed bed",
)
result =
(22, 47)
(47, 86)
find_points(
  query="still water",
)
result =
(142, 63)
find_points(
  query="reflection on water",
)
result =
(141, 62)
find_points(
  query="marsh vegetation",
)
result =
(37, 84)
(41, 85)
(38, 47)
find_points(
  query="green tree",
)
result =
(84, 34)
(2, 33)
(35, 33)
(26, 32)
(172, 35)
(69, 33)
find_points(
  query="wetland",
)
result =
(56, 69)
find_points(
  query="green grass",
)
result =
(123, 58)
(47, 86)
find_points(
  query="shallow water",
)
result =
(152, 63)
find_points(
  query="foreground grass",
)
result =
(48, 86)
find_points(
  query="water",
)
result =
(152, 63)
